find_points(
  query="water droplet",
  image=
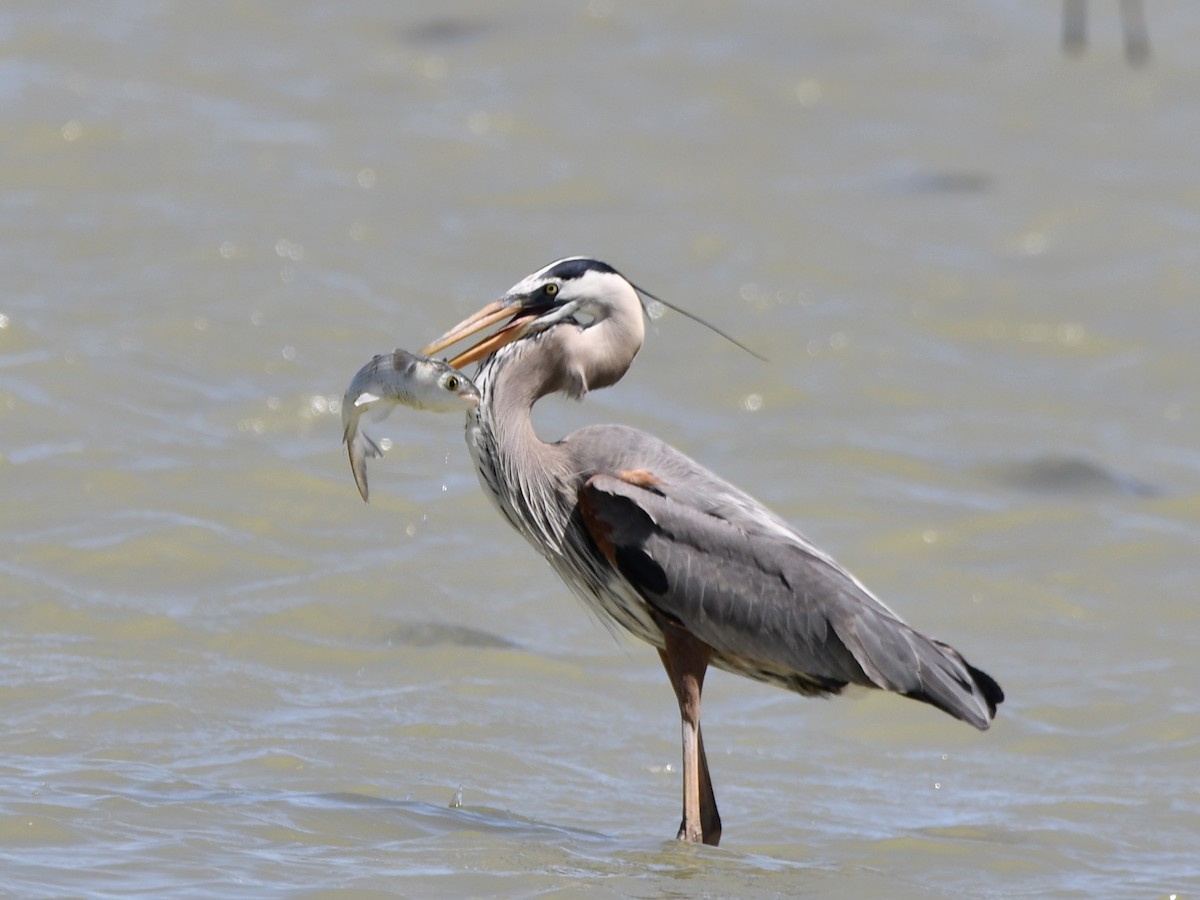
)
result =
(1071, 333)
(285, 249)
(434, 67)
(479, 122)
(1034, 243)
(809, 92)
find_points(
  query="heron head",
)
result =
(589, 295)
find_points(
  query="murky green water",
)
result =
(971, 261)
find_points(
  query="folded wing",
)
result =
(770, 605)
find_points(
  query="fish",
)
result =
(394, 379)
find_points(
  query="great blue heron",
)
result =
(662, 547)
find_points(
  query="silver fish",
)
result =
(392, 379)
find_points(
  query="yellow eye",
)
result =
(452, 383)
(550, 289)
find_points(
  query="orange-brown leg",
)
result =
(710, 819)
(686, 659)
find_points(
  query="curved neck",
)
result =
(533, 483)
(510, 383)
(527, 479)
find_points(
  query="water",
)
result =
(970, 260)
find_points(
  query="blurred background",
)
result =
(965, 238)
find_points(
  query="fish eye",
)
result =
(550, 289)
(452, 383)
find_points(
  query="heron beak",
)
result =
(494, 312)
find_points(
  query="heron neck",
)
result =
(525, 477)
(510, 384)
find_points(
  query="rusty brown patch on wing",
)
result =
(597, 527)
(641, 478)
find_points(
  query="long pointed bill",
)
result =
(494, 312)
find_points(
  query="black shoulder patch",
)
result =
(641, 570)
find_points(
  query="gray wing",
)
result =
(769, 604)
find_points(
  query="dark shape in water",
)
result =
(1070, 475)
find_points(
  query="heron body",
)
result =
(663, 548)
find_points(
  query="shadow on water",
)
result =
(1067, 476)
(442, 30)
(439, 634)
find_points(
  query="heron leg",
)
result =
(686, 659)
(1133, 24)
(710, 819)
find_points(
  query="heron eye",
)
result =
(550, 289)
(452, 383)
